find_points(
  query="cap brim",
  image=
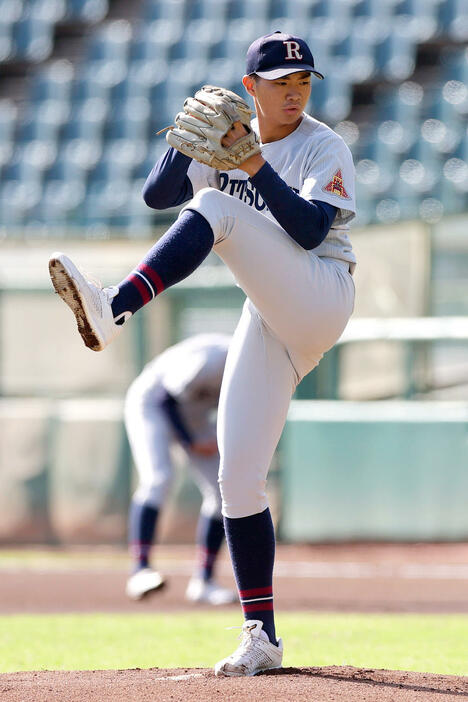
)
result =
(281, 72)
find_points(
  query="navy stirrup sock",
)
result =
(251, 542)
(141, 526)
(174, 257)
(210, 535)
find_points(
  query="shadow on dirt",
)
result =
(416, 682)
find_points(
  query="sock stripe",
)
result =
(265, 606)
(257, 599)
(256, 592)
(153, 276)
(142, 287)
(206, 558)
(148, 282)
(140, 549)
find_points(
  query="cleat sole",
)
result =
(67, 289)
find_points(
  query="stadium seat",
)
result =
(105, 73)
(129, 119)
(6, 43)
(224, 72)
(52, 11)
(125, 155)
(18, 202)
(171, 10)
(417, 19)
(198, 39)
(381, 10)
(341, 9)
(453, 17)
(86, 120)
(85, 87)
(156, 148)
(11, 10)
(53, 82)
(367, 204)
(43, 122)
(153, 41)
(252, 11)
(453, 188)
(240, 33)
(456, 65)
(106, 202)
(78, 156)
(139, 217)
(353, 56)
(403, 104)
(208, 9)
(331, 99)
(32, 39)
(374, 177)
(391, 139)
(87, 11)
(8, 117)
(301, 11)
(111, 42)
(60, 201)
(29, 161)
(396, 56)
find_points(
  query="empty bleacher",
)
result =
(76, 151)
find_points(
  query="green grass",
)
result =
(429, 643)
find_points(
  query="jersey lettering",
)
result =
(292, 51)
(244, 190)
(260, 203)
(249, 196)
(223, 181)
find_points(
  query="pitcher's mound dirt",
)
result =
(325, 684)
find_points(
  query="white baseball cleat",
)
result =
(255, 653)
(209, 593)
(143, 582)
(90, 303)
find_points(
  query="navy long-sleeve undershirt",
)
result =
(307, 222)
(168, 184)
(170, 407)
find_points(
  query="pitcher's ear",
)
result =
(249, 84)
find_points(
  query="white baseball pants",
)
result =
(151, 437)
(298, 305)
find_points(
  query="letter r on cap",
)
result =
(292, 50)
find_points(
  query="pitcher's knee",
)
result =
(242, 498)
(215, 207)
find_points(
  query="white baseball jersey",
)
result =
(315, 162)
(191, 371)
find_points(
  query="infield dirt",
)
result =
(197, 685)
(421, 578)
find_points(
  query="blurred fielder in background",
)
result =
(174, 401)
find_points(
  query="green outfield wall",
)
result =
(375, 471)
(345, 471)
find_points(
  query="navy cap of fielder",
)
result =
(275, 55)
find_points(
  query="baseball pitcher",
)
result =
(272, 197)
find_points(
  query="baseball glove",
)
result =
(206, 119)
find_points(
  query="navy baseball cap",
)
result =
(275, 55)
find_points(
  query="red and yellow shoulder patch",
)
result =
(336, 187)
